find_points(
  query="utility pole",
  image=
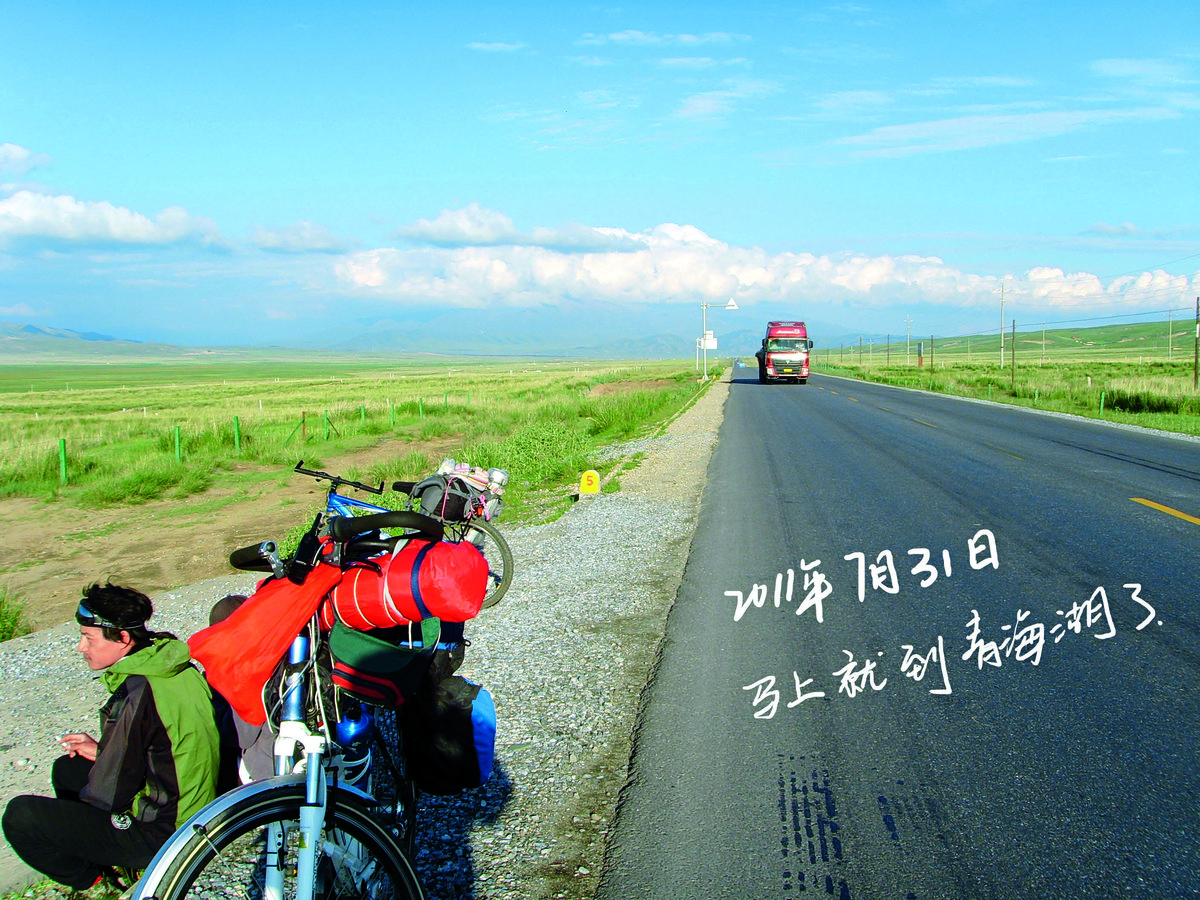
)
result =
(907, 338)
(1001, 326)
(1014, 357)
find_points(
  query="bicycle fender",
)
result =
(147, 886)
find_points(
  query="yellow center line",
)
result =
(1166, 509)
(1005, 452)
(853, 399)
(928, 424)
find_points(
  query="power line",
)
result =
(1159, 266)
(1048, 323)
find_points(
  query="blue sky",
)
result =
(233, 173)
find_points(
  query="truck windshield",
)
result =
(787, 344)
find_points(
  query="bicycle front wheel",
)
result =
(227, 854)
(495, 550)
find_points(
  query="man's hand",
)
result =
(80, 745)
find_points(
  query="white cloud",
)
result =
(674, 263)
(972, 132)
(598, 99)
(636, 38)
(300, 237)
(687, 62)
(590, 61)
(700, 62)
(982, 81)
(61, 217)
(497, 46)
(14, 158)
(475, 225)
(18, 311)
(1105, 229)
(1146, 72)
(718, 103)
(853, 103)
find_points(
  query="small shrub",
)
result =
(148, 479)
(13, 622)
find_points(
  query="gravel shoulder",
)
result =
(566, 655)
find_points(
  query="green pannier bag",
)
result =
(376, 670)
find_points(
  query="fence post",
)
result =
(178, 448)
(420, 408)
(299, 425)
(392, 411)
(326, 424)
(62, 461)
(1196, 351)
(237, 435)
(1102, 396)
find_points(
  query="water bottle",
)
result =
(353, 733)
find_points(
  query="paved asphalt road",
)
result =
(1049, 747)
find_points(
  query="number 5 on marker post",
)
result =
(590, 482)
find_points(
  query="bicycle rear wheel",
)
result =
(495, 549)
(226, 855)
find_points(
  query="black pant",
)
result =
(72, 842)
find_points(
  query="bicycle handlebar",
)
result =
(261, 557)
(336, 481)
(344, 528)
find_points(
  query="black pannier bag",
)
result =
(449, 730)
(444, 498)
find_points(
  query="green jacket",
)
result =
(159, 750)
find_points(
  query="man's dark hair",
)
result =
(126, 608)
(225, 607)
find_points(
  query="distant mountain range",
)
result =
(31, 341)
(590, 333)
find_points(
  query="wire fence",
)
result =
(1174, 341)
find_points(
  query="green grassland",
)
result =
(1120, 373)
(131, 432)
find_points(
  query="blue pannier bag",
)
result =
(450, 735)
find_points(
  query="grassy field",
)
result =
(1121, 373)
(103, 436)
(116, 434)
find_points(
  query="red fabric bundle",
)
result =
(448, 579)
(240, 653)
(360, 602)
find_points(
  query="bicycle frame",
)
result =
(293, 733)
(312, 770)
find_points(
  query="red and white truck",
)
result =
(784, 353)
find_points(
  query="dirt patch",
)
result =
(50, 551)
(624, 387)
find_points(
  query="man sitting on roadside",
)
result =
(117, 800)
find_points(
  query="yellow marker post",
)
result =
(589, 483)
